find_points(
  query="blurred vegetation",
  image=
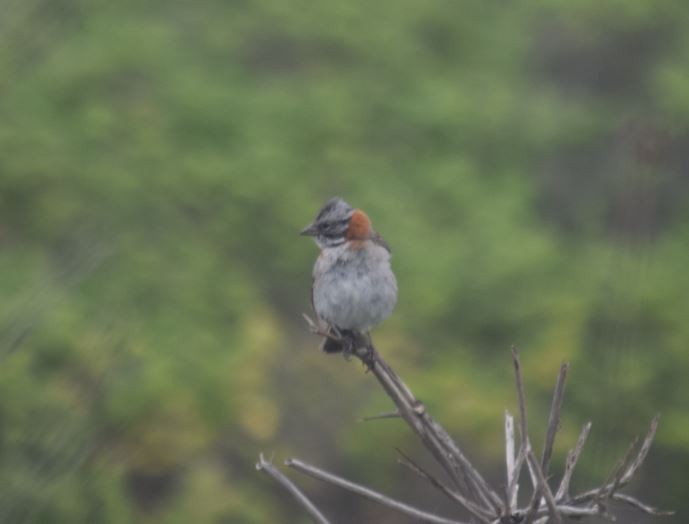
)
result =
(528, 163)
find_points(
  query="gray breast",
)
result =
(354, 288)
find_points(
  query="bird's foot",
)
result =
(332, 340)
(368, 358)
(348, 343)
(365, 351)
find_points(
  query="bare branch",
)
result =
(317, 329)
(569, 511)
(543, 488)
(313, 326)
(525, 447)
(612, 483)
(631, 470)
(370, 494)
(532, 472)
(572, 459)
(380, 416)
(648, 440)
(509, 445)
(467, 486)
(512, 488)
(640, 505)
(554, 418)
(272, 471)
(467, 504)
(523, 433)
(434, 437)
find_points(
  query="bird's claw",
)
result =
(351, 343)
(367, 356)
(348, 345)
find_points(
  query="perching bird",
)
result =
(354, 288)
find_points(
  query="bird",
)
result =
(353, 287)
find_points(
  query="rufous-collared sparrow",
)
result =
(353, 287)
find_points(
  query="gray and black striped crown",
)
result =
(331, 223)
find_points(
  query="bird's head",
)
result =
(338, 222)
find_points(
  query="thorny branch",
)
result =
(467, 488)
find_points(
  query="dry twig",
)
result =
(370, 494)
(303, 500)
(571, 462)
(381, 416)
(468, 489)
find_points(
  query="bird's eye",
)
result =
(330, 227)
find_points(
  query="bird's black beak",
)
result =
(309, 231)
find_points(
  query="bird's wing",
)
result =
(377, 239)
(313, 287)
(313, 306)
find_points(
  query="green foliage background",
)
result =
(527, 161)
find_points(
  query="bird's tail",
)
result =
(343, 340)
(330, 345)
